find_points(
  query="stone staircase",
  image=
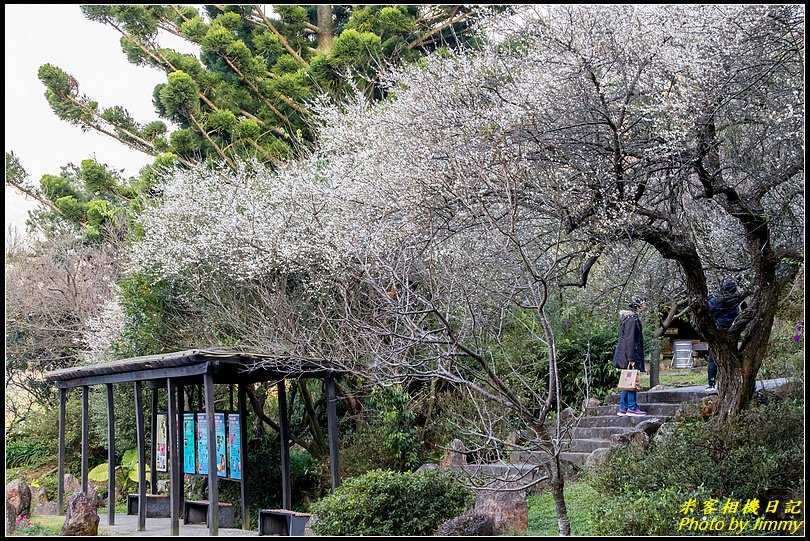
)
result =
(593, 431)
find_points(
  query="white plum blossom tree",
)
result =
(425, 225)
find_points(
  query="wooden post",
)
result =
(331, 417)
(174, 476)
(181, 493)
(110, 457)
(140, 435)
(243, 445)
(213, 492)
(85, 436)
(60, 483)
(153, 443)
(284, 435)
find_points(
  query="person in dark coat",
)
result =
(630, 350)
(724, 308)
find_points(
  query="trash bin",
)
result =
(683, 354)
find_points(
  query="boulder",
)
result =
(71, 484)
(597, 457)
(507, 510)
(11, 518)
(82, 515)
(18, 494)
(650, 426)
(659, 388)
(454, 456)
(163, 486)
(425, 468)
(592, 403)
(666, 430)
(636, 438)
(568, 416)
(470, 523)
(40, 503)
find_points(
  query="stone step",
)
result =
(586, 445)
(673, 396)
(664, 409)
(615, 420)
(574, 457)
(599, 432)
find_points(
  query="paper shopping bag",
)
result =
(630, 380)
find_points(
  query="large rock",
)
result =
(650, 426)
(667, 429)
(592, 403)
(40, 503)
(455, 455)
(426, 468)
(470, 523)
(636, 438)
(597, 457)
(568, 416)
(82, 515)
(72, 485)
(11, 518)
(18, 494)
(507, 509)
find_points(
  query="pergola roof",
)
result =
(228, 366)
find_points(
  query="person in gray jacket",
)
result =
(630, 349)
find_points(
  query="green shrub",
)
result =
(25, 453)
(656, 512)
(390, 503)
(758, 452)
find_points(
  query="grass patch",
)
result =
(579, 499)
(42, 525)
(49, 526)
(685, 377)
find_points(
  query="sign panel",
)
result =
(219, 424)
(159, 445)
(202, 443)
(234, 447)
(188, 443)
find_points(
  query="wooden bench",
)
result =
(282, 522)
(196, 512)
(156, 505)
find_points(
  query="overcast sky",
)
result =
(90, 52)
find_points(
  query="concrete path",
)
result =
(160, 527)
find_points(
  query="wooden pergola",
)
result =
(175, 371)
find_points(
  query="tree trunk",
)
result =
(736, 380)
(558, 492)
(326, 28)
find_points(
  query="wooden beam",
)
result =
(110, 457)
(331, 416)
(141, 375)
(140, 435)
(213, 492)
(174, 477)
(284, 435)
(153, 443)
(243, 446)
(85, 437)
(60, 483)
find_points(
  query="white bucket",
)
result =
(683, 354)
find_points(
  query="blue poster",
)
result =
(219, 424)
(188, 443)
(234, 447)
(202, 443)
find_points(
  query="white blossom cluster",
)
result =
(580, 125)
